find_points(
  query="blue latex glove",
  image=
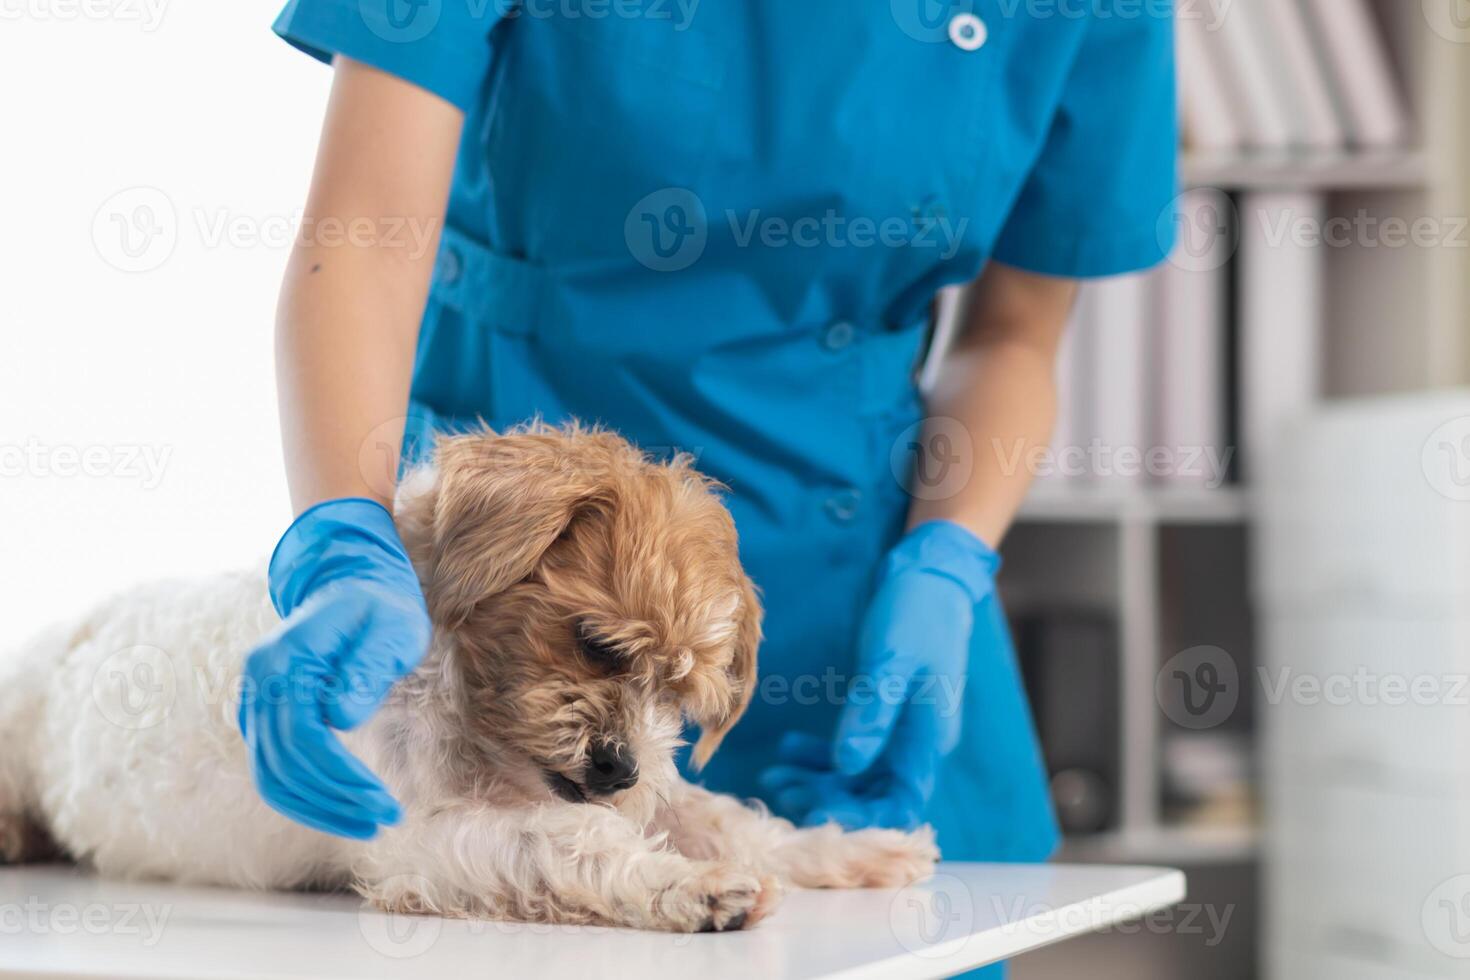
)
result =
(354, 622)
(902, 714)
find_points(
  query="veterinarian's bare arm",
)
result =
(357, 281)
(998, 381)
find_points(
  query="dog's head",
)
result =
(592, 599)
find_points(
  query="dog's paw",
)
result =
(892, 858)
(872, 858)
(717, 897)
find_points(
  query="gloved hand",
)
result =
(902, 714)
(354, 622)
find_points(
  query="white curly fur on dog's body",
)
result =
(167, 792)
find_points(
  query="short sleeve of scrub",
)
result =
(442, 46)
(1099, 199)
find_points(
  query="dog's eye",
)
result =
(601, 654)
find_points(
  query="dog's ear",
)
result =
(500, 502)
(742, 676)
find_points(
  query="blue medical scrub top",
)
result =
(718, 227)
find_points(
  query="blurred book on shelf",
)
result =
(1208, 117)
(1119, 309)
(1297, 73)
(1279, 313)
(1356, 61)
(1188, 332)
(1287, 77)
(1253, 78)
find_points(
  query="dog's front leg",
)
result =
(564, 863)
(711, 826)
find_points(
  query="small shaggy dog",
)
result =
(586, 601)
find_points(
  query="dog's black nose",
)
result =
(609, 769)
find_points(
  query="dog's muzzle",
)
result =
(610, 769)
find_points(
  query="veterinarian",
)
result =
(719, 228)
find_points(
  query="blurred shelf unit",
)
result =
(1387, 170)
(1153, 506)
(1168, 566)
(1237, 844)
(1162, 571)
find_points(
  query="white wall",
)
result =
(200, 104)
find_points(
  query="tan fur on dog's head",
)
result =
(593, 599)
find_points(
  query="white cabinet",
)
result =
(1363, 693)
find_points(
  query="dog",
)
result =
(587, 601)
